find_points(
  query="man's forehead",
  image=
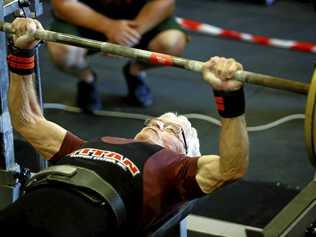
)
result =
(181, 121)
(171, 121)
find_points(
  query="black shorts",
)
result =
(61, 26)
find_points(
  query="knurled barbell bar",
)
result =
(160, 59)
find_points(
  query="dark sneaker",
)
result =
(88, 96)
(138, 92)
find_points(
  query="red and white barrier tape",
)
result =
(196, 26)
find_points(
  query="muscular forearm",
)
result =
(81, 15)
(231, 164)
(153, 13)
(233, 148)
(23, 105)
(28, 120)
(232, 161)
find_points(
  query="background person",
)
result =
(145, 24)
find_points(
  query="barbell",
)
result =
(160, 59)
(195, 66)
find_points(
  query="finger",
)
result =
(215, 58)
(23, 40)
(19, 26)
(229, 63)
(230, 68)
(130, 39)
(132, 43)
(16, 22)
(225, 68)
(123, 41)
(240, 67)
(133, 33)
(118, 39)
(233, 67)
(132, 24)
(231, 85)
(220, 71)
(30, 27)
(213, 80)
(38, 24)
(208, 66)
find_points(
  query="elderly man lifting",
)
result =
(145, 177)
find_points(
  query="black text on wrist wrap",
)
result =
(230, 104)
(21, 61)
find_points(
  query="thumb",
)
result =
(212, 80)
(133, 24)
(25, 41)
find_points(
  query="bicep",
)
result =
(45, 136)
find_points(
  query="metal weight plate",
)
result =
(310, 121)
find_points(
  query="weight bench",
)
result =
(173, 224)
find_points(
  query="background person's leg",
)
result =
(171, 42)
(72, 60)
(166, 38)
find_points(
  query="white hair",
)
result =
(190, 133)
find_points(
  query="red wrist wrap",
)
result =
(21, 61)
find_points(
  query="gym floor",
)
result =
(279, 166)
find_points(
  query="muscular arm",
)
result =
(148, 17)
(80, 14)
(27, 119)
(232, 162)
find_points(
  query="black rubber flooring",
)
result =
(279, 167)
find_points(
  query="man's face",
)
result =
(165, 133)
